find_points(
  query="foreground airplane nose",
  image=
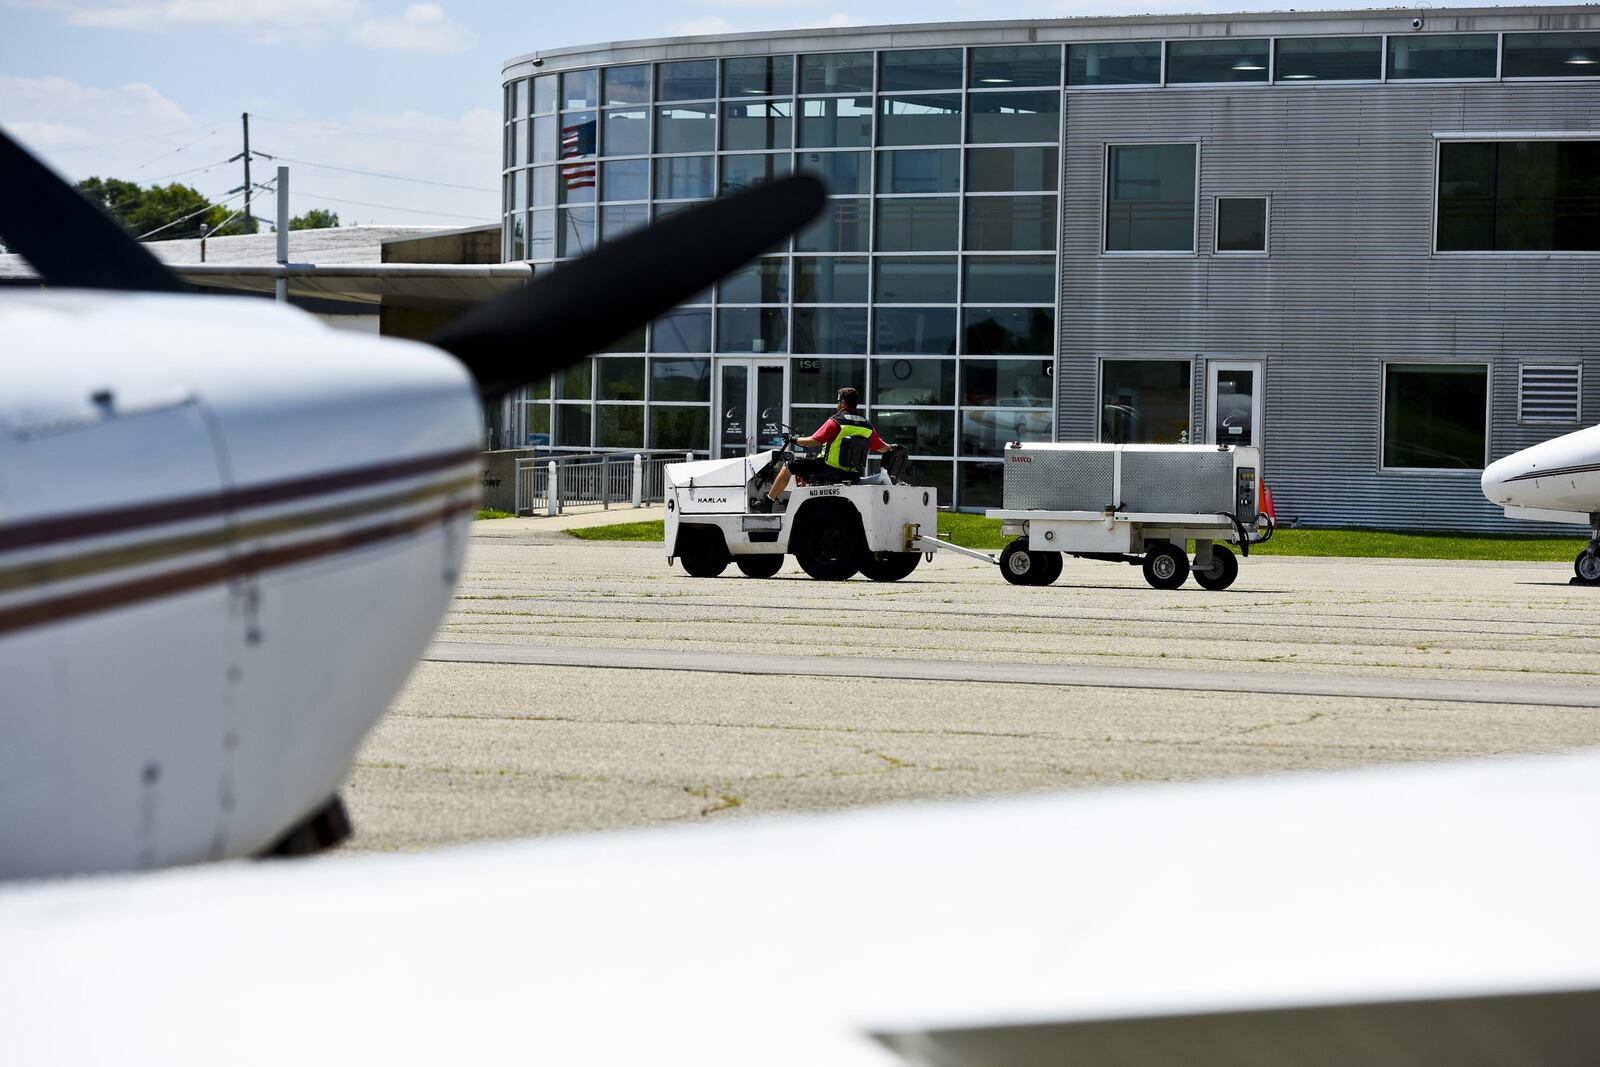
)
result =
(1495, 477)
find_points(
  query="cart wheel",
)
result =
(889, 566)
(1587, 567)
(828, 543)
(1165, 566)
(1017, 564)
(703, 553)
(759, 566)
(1046, 568)
(1223, 570)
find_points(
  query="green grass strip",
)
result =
(491, 513)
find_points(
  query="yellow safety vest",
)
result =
(850, 425)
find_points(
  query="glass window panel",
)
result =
(632, 341)
(914, 331)
(830, 330)
(1144, 401)
(764, 281)
(667, 210)
(840, 72)
(1004, 117)
(572, 425)
(575, 182)
(693, 80)
(544, 186)
(748, 124)
(841, 228)
(1029, 64)
(1211, 59)
(922, 224)
(836, 122)
(986, 433)
(683, 177)
(1150, 193)
(1329, 58)
(938, 476)
(686, 128)
(580, 88)
(748, 171)
(1446, 55)
(541, 235)
(1434, 415)
(1114, 63)
(681, 428)
(920, 170)
(576, 382)
(519, 99)
(925, 382)
(682, 331)
(621, 378)
(844, 173)
(536, 425)
(539, 388)
(921, 432)
(1241, 224)
(752, 330)
(519, 246)
(616, 221)
(1010, 279)
(681, 380)
(576, 234)
(830, 280)
(1519, 196)
(998, 170)
(758, 76)
(924, 68)
(627, 85)
(1010, 331)
(916, 280)
(546, 139)
(544, 94)
(519, 189)
(1006, 223)
(1009, 383)
(627, 132)
(1552, 55)
(621, 426)
(519, 143)
(627, 180)
(818, 381)
(932, 119)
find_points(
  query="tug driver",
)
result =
(845, 439)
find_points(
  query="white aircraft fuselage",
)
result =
(226, 533)
(1561, 475)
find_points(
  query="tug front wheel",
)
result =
(759, 566)
(1223, 570)
(828, 543)
(1165, 566)
(889, 566)
(1587, 567)
(703, 552)
(1019, 565)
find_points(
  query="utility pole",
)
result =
(281, 288)
(249, 219)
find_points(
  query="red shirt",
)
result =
(830, 429)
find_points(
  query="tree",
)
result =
(315, 219)
(164, 212)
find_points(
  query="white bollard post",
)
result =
(554, 491)
(638, 480)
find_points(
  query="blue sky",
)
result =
(151, 90)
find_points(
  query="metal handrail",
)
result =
(549, 485)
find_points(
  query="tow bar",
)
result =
(917, 542)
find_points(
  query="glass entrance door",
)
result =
(1233, 403)
(745, 389)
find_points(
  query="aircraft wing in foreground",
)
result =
(1415, 915)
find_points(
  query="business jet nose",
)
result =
(1497, 476)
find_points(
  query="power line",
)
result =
(191, 170)
(391, 177)
(198, 211)
(380, 136)
(389, 207)
(131, 140)
(211, 133)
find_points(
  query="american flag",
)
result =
(577, 141)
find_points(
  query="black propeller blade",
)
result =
(589, 303)
(68, 239)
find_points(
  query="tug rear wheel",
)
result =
(759, 566)
(1046, 567)
(1587, 567)
(889, 566)
(829, 543)
(1018, 565)
(1223, 570)
(1166, 566)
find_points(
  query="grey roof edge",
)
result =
(19, 271)
(451, 231)
(1088, 28)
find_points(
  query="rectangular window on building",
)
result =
(1550, 392)
(914, 382)
(1150, 195)
(544, 95)
(1016, 65)
(1224, 59)
(920, 170)
(836, 122)
(923, 433)
(838, 72)
(918, 224)
(1144, 401)
(627, 132)
(1011, 223)
(842, 227)
(1330, 59)
(627, 85)
(843, 173)
(683, 178)
(753, 330)
(1006, 118)
(818, 381)
(695, 79)
(626, 180)
(764, 281)
(682, 331)
(1007, 170)
(680, 428)
(986, 433)
(620, 426)
(922, 68)
(1442, 55)
(1011, 279)
(1114, 63)
(1007, 383)
(1008, 331)
(572, 425)
(686, 128)
(618, 220)
(830, 280)
(1519, 196)
(1241, 224)
(914, 331)
(580, 88)
(1435, 415)
(683, 381)
(1552, 55)
(748, 171)
(758, 76)
(756, 124)
(840, 331)
(916, 280)
(933, 118)
(621, 378)
(541, 235)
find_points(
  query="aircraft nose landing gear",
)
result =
(1587, 566)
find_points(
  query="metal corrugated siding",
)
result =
(1350, 282)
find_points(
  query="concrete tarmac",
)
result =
(586, 686)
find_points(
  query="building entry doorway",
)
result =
(1234, 392)
(745, 389)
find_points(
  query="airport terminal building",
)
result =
(1367, 241)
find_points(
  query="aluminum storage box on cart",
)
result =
(1131, 504)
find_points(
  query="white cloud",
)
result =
(706, 24)
(53, 113)
(420, 28)
(270, 19)
(841, 20)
